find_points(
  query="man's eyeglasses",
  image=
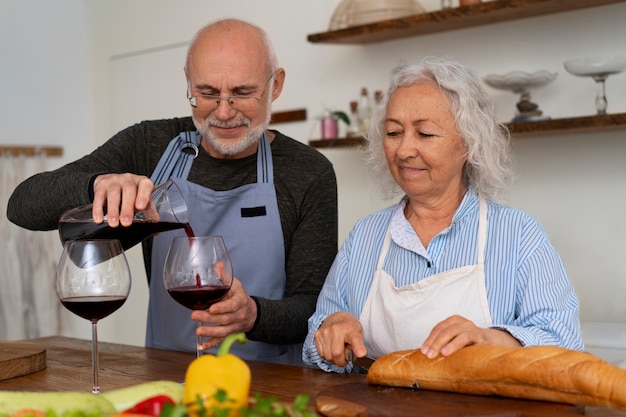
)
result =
(243, 103)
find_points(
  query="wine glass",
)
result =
(197, 273)
(92, 281)
(599, 70)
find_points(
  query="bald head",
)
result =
(233, 37)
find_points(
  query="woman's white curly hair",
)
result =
(489, 166)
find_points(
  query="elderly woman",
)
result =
(448, 266)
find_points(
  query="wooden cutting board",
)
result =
(21, 358)
(359, 399)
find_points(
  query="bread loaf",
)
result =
(546, 373)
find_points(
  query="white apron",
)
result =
(402, 318)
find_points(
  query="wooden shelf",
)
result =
(450, 19)
(30, 150)
(520, 129)
(288, 116)
(337, 143)
(568, 125)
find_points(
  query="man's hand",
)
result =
(234, 313)
(121, 194)
(338, 331)
(456, 332)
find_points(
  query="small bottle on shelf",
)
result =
(364, 111)
(378, 98)
(353, 128)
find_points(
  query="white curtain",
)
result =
(29, 307)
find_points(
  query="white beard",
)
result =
(235, 148)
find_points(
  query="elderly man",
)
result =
(273, 199)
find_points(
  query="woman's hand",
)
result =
(456, 332)
(337, 332)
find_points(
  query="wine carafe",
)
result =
(167, 210)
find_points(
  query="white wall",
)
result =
(44, 76)
(44, 83)
(574, 184)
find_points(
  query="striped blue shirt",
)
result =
(528, 290)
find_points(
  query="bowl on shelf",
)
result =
(599, 70)
(589, 67)
(520, 82)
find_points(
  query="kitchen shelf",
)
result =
(337, 143)
(288, 116)
(450, 19)
(603, 122)
(30, 150)
(595, 123)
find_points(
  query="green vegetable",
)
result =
(259, 406)
(58, 402)
(76, 413)
(125, 398)
(173, 411)
(271, 407)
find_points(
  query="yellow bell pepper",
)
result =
(209, 374)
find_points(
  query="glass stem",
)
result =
(601, 103)
(94, 357)
(199, 349)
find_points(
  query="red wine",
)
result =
(189, 231)
(198, 298)
(128, 236)
(94, 307)
(190, 236)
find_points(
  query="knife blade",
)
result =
(359, 365)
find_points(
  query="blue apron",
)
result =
(247, 217)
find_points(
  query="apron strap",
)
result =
(482, 230)
(384, 249)
(177, 159)
(265, 171)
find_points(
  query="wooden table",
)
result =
(69, 368)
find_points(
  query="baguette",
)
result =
(547, 373)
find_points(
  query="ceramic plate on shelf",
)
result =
(596, 66)
(520, 81)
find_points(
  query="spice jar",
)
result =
(329, 127)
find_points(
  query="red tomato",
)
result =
(151, 406)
